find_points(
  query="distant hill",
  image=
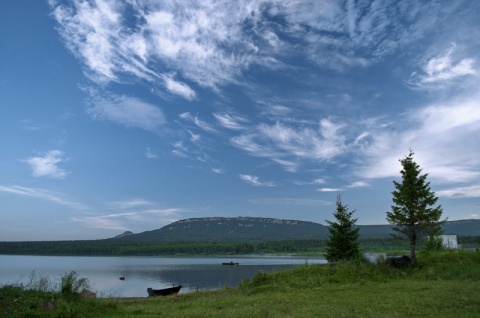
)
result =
(126, 233)
(217, 235)
(222, 229)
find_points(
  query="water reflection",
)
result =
(143, 272)
(201, 277)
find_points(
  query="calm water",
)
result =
(142, 272)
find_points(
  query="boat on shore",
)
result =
(164, 292)
(230, 263)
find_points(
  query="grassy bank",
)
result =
(443, 284)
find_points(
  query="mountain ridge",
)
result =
(259, 228)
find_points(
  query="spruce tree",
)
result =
(342, 243)
(413, 214)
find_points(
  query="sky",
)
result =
(129, 115)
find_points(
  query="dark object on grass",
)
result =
(399, 261)
(230, 263)
(48, 306)
(164, 292)
(88, 294)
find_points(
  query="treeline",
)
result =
(113, 248)
(122, 248)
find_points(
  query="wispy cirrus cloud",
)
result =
(358, 184)
(150, 154)
(47, 165)
(128, 204)
(43, 195)
(212, 43)
(198, 122)
(330, 189)
(313, 182)
(123, 221)
(445, 69)
(179, 88)
(218, 170)
(230, 121)
(287, 144)
(434, 134)
(255, 181)
(180, 149)
(460, 192)
(291, 201)
(125, 110)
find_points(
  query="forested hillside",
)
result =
(220, 229)
(243, 235)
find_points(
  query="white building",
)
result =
(449, 241)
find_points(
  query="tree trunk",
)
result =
(413, 245)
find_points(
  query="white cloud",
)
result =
(445, 68)
(211, 43)
(41, 194)
(198, 122)
(230, 121)
(195, 138)
(305, 142)
(460, 192)
(444, 137)
(128, 204)
(150, 154)
(287, 145)
(291, 201)
(288, 165)
(247, 143)
(47, 166)
(119, 221)
(126, 111)
(91, 33)
(313, 182)
(361, 137)
(101, 223)
(188, 37)
(218, 170)
(183, 151)
(179, 88)
(255, 181)
(459, 114)
(276, 111)
(180, 150)
(329, 189)
(358, 184)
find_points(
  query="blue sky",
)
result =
(130, 115)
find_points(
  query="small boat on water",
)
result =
(230, 263)
(164, 292)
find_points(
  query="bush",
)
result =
(433, 244)
(72, 286)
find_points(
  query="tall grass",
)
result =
(72, 286)
(41, 297)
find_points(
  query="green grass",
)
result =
(42, 298)
(444, 284)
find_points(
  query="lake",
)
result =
(103, 273)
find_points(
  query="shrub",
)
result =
(72, 286)
(433, 244)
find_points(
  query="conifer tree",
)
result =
(342, 243)
(413, 214)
